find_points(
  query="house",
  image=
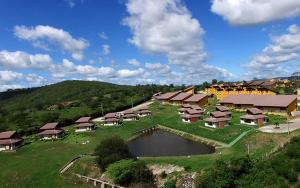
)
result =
(178, 99)
(165, 98)
(84, 127)
(10, 141)
(112, 121)
(254, 116)
(218, 114)
(83, 120)
(182, 110)
(51, 131)
(111, 115)
(190, 90)
(191, 115)
(278, 104)
(222, 108)
(129, 115)
(213, 122)
(197, 99)
(142, 112)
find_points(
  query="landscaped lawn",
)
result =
(37, 164)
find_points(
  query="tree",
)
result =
(110, 150)
(214, 81)
(127, 172)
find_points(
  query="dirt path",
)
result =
(283, 128)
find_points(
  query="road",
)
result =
(283, 128)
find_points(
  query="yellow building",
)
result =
(190, 90)
(223, 90)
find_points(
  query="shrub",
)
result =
(126, 172)
(111, 150)
(163, 175)
(170, 184)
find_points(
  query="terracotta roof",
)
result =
(193, 111)
(195, 98)
(222, 108)
(49, 126)
(51, 132)
(83, 120)
(190, 116)
(9, 141)
(254, 111)
(84, 125)
(7, 134)
(218, 114)
(112, 120)
(215, 120)
(260, 100)
(110, 115)
(252, 117)
(181, 97)
(169, 95)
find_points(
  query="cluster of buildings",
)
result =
(249, 88)
(190, 113)
(186, 96)
(116, 118)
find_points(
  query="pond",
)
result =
(162, 143)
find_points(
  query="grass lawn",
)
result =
(37, 164)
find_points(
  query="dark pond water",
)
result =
(163, 143)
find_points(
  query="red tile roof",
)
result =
(83, 120)
(260, 100)
(84, 125)
(7, 134)
(49, 126)
(195, 98)
(167, 96)
(181, 97)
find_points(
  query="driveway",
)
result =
(283, 128)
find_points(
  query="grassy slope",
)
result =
(37, 164)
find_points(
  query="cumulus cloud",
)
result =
(134, 62)
(46, 37)
(247, 12)
(125, 73)
(105, 49)
(282, 50)
(23, 60)
(103, 36)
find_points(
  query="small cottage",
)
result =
(254, 116)
(51, 131)
(114, 121)
(83, 120)
(191, 115)
(213, 122)
(10, 141)
(219, 114)
(144, 111)
(84, 127)
(129, 115)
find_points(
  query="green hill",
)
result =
(26, 110)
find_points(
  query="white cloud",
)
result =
(282, 50)
(103, 36)
(8, 76)
(165, 27)
(134, 62)
(125, 73)
(247, 12)
(46, 36)
(23, 60)
(105, 49)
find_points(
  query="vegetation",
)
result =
(27, 110)
(127, 172)
(279, 170)
(111, 150)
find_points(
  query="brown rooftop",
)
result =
(169, 95)
(84, 125)
(218, 114)
(112, 120)
(181, 97)
(49, 126)
(7, 134)
(260, 100)
(195, 98)
(51, 132)
(215, 120)
(254, 111)
(222, 108)
(253, 117)
(193, 111)
(83, 120)
(110, 115)
(9, 141)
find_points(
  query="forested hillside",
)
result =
(26, 110)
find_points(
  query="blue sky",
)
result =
(146, 41)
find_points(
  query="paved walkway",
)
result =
(283, 128)
(238, 138)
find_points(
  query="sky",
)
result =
(147, 41)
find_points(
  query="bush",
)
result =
(163, 175)
(127, 172)
(170, 184)
(111, 150)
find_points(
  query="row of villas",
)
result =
(249, 88)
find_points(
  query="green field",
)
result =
(37, 164)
